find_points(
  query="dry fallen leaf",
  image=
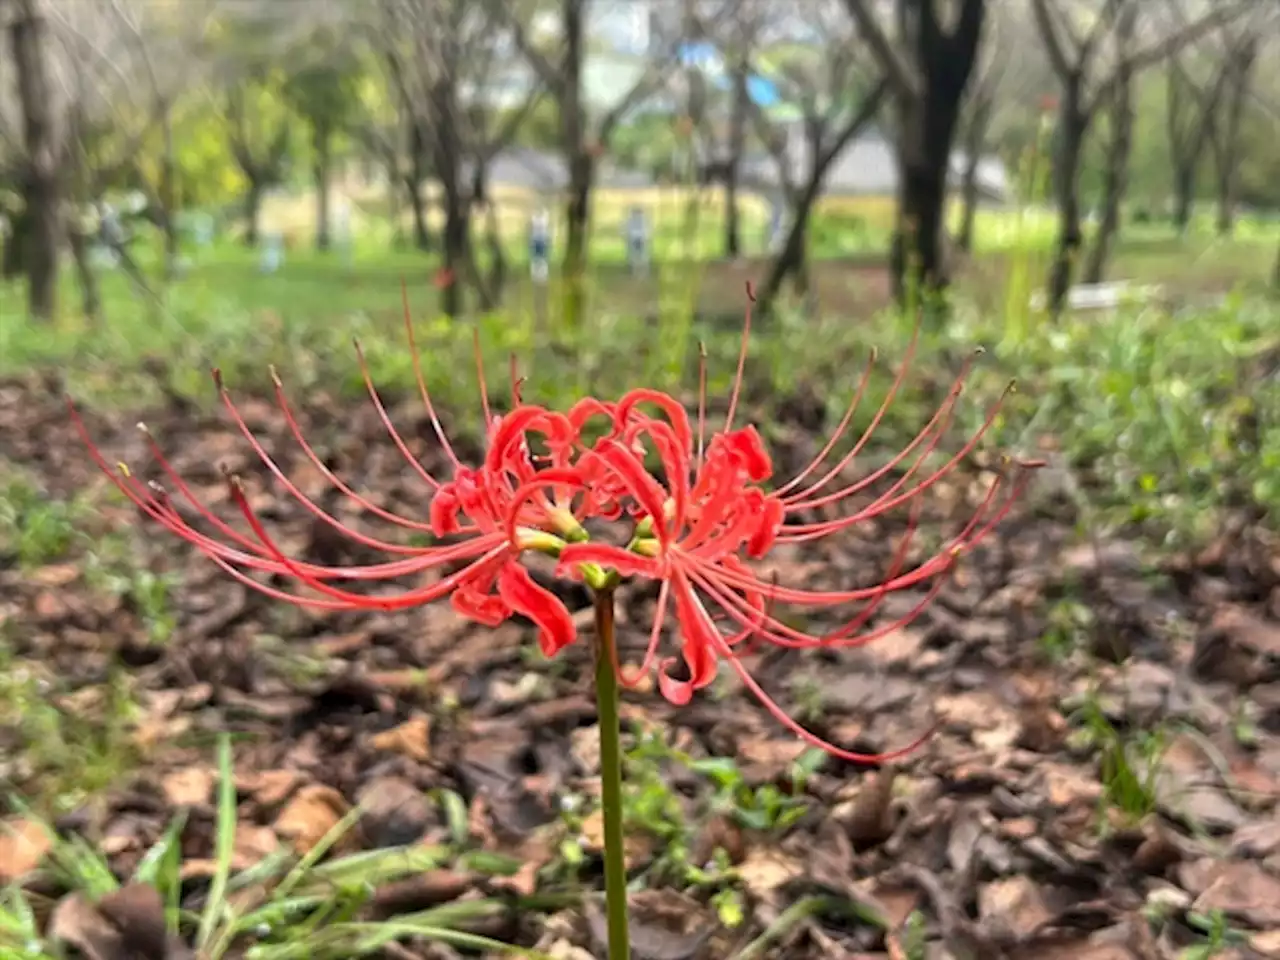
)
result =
(312, 813)
(23, 844)
(1014, 905)
(1244, 891)
(189, 786)
(764, 871)
(410, 739)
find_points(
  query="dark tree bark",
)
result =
(12, 262)
(86, 277)
(825, 143)
(261, 170)
(1189, 121)
(929, 76)
(573, 125)
(1225, 139)
(563, 75)
(454, 193)
(252, 204)
(1083, 89)
(40, 186)
(168, 188)
(322, 143)
(974, 143)
(413, 189)
(1073, 125)
(737, 142)
(1119, 148)
(1184, 195)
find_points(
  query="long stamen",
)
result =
(484, 389)
(702, 402)
(283, 402)
(358, 601)
(742, 358)
(803, 532)
(808, 736)
(422, 384)
(863, 440)
(292, 489)
(933, 429)
(517, 382)
(651, 650)
(162, 510)
(839, 431)
(386, 420)
(189, 495)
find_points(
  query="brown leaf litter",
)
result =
(995, 841)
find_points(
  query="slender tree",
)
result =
(928, 68)
(1087, 80)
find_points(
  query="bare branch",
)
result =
(899, 72)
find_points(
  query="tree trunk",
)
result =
(975, 138)
(577, 238)
(421, 232)
(791, 258)
(918, 256)
(394, 210)
(732, 217)
(1119, 148)
(733, 162)
(168, 195)
(1184, 190)
(1226, 139)
(12, 262)
(1072, 127)
(252, 209)
(322, 141)
(90, 296)
(40, 186)
(456, 238)
(929, 116)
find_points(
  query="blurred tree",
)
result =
(928, 68)
(324, 91)
(1074, 37)
(36, 230)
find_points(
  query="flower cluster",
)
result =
(700, 514)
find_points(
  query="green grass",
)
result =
(1161, 423)
(310, 909)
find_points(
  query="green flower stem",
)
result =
(615, 867)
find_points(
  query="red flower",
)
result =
(474, 507)
(696, 525)
(1049, 103)
(443, 278)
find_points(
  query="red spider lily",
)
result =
(695, 529)
(474, 506)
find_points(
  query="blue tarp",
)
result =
(761, 90)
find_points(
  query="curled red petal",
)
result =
(698, 647)
(676, 415)
(555, 626)
(472, 599)
(771, 515)
(638, 482)
(751, 452)
(444, 512)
